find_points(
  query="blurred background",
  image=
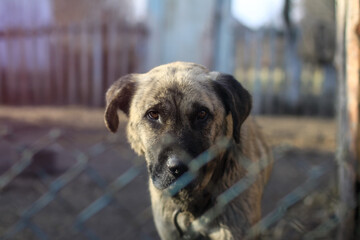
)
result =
(68, 52)
(62, 176)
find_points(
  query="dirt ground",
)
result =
(79, 132)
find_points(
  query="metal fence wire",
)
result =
(99, 208)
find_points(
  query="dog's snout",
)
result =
(176, 166)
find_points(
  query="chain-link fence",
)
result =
(74, 183)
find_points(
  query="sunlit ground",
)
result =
(307, 141)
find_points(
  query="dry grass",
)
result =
(72, 116)
(300, 132)
(312, 142)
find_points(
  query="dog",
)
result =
(176, 112)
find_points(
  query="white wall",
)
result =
(179, 30)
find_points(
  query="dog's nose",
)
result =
(176, 167)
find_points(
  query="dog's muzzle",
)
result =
(168, 171)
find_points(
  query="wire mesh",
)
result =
(110, 192)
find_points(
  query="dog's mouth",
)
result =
(167, 180)
(168, 169)
(161, 182)
(183, 187)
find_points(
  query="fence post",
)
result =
(348, 155)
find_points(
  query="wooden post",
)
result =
(348, 156)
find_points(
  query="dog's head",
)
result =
(177, 111)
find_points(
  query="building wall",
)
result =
(190, 30)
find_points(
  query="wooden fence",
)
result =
(75, 64)
(280, 80)
(72, 64)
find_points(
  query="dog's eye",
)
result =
(153, 115)
(202, 115)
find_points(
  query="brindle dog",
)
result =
(177, 111)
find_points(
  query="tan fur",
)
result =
(177, 86)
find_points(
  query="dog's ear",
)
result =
(236, 100)
(119, 96)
